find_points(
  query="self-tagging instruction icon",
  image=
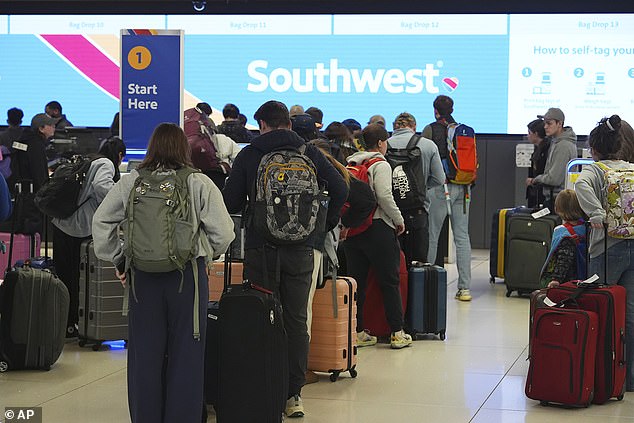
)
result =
(545, 86)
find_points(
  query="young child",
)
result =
(566, 260)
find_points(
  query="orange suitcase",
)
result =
(333, 343)
(216, 281)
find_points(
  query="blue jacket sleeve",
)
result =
(5, 200)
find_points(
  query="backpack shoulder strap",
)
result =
(602, 166)
(451, 130)
(413, 142)
(370, 162)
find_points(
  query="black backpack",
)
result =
(59, 195)
(409, 184)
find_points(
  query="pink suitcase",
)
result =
(24, 247)
(333, 342)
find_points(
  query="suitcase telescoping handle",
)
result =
(227, 267)
(19, 201)
(227, 275)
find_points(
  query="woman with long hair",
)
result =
(165, 361)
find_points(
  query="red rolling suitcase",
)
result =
(563, 349)
(609, 304)
(373, 310)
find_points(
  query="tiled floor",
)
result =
(476, 375)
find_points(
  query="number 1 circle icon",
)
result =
(139, 57)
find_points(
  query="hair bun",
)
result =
(613, 123)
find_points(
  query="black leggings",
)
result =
(378, 247)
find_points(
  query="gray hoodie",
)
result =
(99, 180)
(430, 158)
(205, 199)
(591, 192)
(380, 179)
(562, 150)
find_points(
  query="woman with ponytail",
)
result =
(605, 143)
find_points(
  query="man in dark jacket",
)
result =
(29, 165)
(232, 127)
(14, 131)
(294, 263)
(54, 110)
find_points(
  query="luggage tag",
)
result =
(589, 282)
(541, 213)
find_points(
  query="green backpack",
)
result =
(158, 233)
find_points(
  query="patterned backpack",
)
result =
(288, 203)
(619, 205)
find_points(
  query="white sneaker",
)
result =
(400, 340)
(364, 339)
(463, 295)
(294, 407)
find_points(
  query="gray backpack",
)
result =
(159, 235)
(289, 204)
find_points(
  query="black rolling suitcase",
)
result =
(252, 356)
(426, 300)
(527, 246)
(34, 309)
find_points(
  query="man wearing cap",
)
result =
(415, 239)
(317, 115)
(563, 148)
(29, 162)
(304, 126)
(296, 109)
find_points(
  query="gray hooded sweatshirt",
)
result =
(205, 199)
(562, 150)
(591, 193)
(380, 179)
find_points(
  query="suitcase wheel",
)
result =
(492, 280)
(508, 292)
(442, 335)
(353, 374)
(4, 366)
(82, 342)
(620, 397)
(96, 346)
(334, 376)
(544, 403)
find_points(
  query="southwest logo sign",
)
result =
(332, 78)
(450, 84)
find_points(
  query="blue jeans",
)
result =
(621, 271)
(459, 225)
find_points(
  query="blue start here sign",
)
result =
(151, 84)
